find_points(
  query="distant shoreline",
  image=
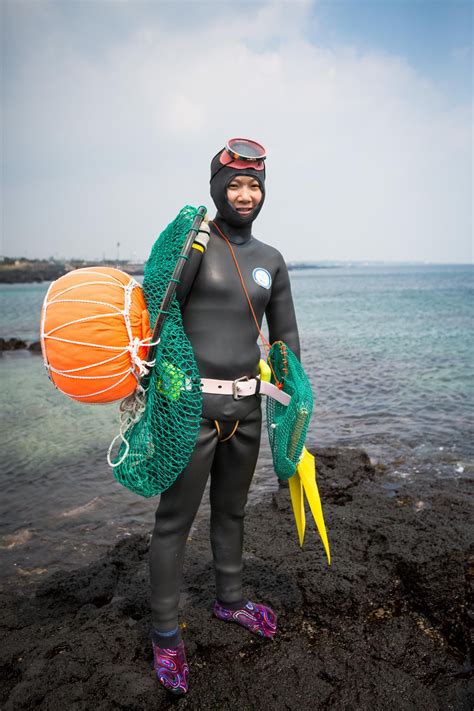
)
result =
(37, 271)
(25, 271)
(31, 271)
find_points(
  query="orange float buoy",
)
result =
(95, 334)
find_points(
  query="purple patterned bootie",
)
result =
(259, 619)
(171, 668)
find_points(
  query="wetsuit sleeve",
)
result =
(191, 268)
(280, 311)
(188, 276)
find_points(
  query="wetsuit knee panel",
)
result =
(221, 513)
(173, 524)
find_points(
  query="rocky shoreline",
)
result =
(26, 271)
(17, 344)
(387, 626)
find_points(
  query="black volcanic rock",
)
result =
(12, 344)
(387, 626)
(31, 272)
(17, 344)
(35, 347)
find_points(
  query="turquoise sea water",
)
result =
(389, 351)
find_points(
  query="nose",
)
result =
(245, 195)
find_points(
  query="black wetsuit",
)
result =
(219, 324)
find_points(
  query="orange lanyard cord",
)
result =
(265, 343)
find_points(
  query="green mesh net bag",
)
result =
(160, 422)
(288, 425)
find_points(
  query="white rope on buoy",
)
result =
(138, 366)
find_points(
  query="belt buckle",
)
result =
(235, 393)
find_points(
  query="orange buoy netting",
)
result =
(95, 334)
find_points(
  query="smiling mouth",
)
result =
(244, 210)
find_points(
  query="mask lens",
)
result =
(245, 149)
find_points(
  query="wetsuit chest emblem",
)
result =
(262, 277)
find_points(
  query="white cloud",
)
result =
(367, 158)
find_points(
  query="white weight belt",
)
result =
(243, 387)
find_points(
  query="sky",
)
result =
(112, 110)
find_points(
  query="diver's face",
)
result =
(244, 194)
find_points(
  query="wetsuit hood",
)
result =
(222, 172)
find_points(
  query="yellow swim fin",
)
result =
(297, 501)
(306, 470)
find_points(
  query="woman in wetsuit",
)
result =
(223, 333)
